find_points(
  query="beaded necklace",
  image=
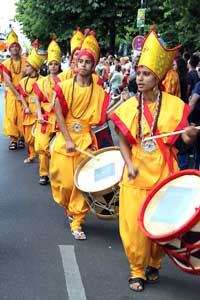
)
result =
(26, 82)
(148, 146)
(49, 83)
(72, 101)
(16, 72)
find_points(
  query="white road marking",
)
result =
(73, 279)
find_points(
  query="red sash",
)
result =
(168, 158)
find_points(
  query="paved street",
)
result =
(39, 259)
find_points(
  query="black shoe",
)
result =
(21, 144)
(13, 146)
(44, 180)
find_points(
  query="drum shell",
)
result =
(183, 243)
(103, 136)
(176, 233)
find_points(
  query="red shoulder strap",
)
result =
(160, 143)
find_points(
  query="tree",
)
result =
(111, 20)
(43, 19)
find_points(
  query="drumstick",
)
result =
(48, 122)
(87, 153)
(167, 134)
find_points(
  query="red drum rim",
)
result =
(181, 230)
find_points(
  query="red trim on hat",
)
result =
(15, 43)
(88, 53)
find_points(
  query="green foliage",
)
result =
(113, 21)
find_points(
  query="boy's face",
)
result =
(85, 66)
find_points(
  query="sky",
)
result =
(7, 10)
(7, 13)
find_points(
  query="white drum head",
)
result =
(172, 206)
(97, 175)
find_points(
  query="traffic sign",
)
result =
(138, 42)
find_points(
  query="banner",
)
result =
(141, 17)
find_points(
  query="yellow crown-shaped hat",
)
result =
(12, 38)
(76, 41)
(91, 46)
(54, 52)
(36, 57)
(155, 56)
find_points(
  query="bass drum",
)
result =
(98, 181)
(170, 216)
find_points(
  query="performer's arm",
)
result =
(11, 86)
(190, 134)
(70, 145)
(192, 102)
(39, 111)
(25, 105)
(126, 154)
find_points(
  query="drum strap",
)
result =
(160, 143)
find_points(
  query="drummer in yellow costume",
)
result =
(12, 73)
(80, 104)
(75, 45)
(28, 97)
(147, 163)
(45, 128)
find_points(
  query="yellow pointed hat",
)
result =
(36, 58)
(54, 52)
(76, 41)
(90, 47)
(155, 56)
(12, 38)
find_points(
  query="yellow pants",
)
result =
(12, 117)
(140, 250)
(65, 193)
(29, 139)
(42, 141)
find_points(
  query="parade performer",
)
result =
(45, 128)
(12, 73)
(28, 97)
(147, 163)
(75, 46)
(80, 104)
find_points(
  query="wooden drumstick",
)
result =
(167, 134)
(87, 153)
(48, 122)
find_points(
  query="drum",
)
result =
(98, 182)
(103, 135)
(51, 144)
(170, 216)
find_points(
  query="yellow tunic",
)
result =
(89, 109)
(29, 120)
(13, 109)
(153, 168)
(44, 132)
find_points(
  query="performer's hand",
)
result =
(70, 146)
(190, 134)
(133, 172)
(27, 111)
(40, 119)
(93, 148)
(18, 97)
